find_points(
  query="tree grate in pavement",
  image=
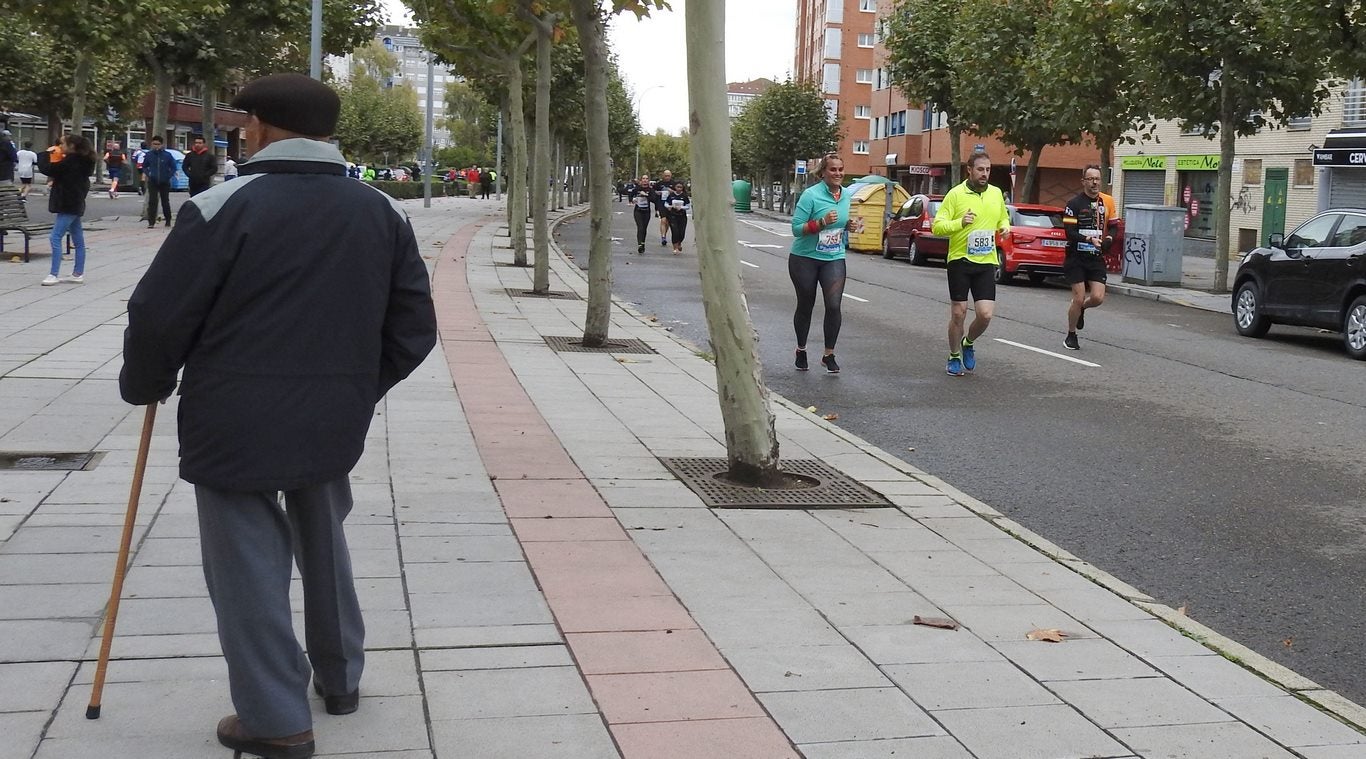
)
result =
(46, 461)
(831, 489)
(522, 292)
(575, 345)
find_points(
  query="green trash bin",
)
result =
(741, 190)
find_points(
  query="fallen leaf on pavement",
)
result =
(811, 409)
(831, 417)
(1049, 635)
(1183, 609)
(940, 622)
(1289, 642)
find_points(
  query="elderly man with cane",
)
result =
(294, 299)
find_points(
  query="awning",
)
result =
(1342, 147)
(890, 159)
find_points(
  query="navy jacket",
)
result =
(159, 166)
(294, 298)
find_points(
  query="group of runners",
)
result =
(667, 199)
(973, 216)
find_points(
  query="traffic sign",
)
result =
(801, 168)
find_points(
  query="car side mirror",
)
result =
(916, 205)
(1276, 240)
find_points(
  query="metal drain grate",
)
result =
(834, 491)
(522, 292)
(34, 461)
(575, 345)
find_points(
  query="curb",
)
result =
(1295, 684)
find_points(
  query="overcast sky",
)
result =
(760, 41)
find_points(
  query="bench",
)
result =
(14, 218)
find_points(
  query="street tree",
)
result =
(922, 63)
(545, 19)
(590, 20)
(486, 40)
(377, 122)
(661, 150)
(1226, 68)
(787, 122)
(471, 120)
(751, 441)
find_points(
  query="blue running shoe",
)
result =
(955, 368)
(969, 356)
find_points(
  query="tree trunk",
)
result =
(161, 102)
(517, 189)
(1223, 192)
(751, 442)
(557, 197)
(955, 155)
(54, 127)
(80, 83)
(1107, 157)
(1029, 192)
(540, 166)
(206, 104)
(588, 20)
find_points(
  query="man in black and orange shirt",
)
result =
(1085, 221)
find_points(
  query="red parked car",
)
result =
(909, 234)
(1037, 243)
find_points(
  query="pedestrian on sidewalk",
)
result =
(660, 192)
(1085, 220)
(230, 169)
(158, 167)
(485, 183)
(677, 207)
(70, 178)
(200, 165)
(643, 203)
(289, 334)
(971, 215)
(24, 170)
(113, 163)
(820, 238)
(9, 157)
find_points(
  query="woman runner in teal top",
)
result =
(820, 236)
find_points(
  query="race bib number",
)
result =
(642, 201)
(830, 240)
(1086, 246)
(677, 204)
(981, 242)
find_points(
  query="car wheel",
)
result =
(1247, 311)
(1354, 329)
(887, 249)
(1037, 277)
(916, 257)
(1003, 277)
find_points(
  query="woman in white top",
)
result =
(24, 169)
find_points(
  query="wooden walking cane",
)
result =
(135, 492)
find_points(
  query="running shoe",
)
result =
(1081, 320)
(640, 248)
(1071, 341)
(969, 355)
(955, 367)
(801, 361)
(50, 280)
(830, 366)
(663, 241)
(76, 279)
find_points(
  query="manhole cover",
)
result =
(36, 461)
(575, 345)
(834, 490)
(522, 292)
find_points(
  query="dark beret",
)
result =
(293, 102)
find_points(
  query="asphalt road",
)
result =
(1210, 470)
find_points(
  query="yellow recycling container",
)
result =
(870, 204)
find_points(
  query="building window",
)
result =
(897, 124)
(867, 6)
(1252, 171)
(1354, 104)
(863, 76)
(1304, 172)
(1300, 122)
(834, 40)
(832, 79)
(882, 80)
(860, 147)
(866, 40)
(863, 111)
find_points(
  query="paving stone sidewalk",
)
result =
(537, 584)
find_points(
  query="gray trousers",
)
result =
(248, 541)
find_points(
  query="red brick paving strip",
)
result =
(663, 688)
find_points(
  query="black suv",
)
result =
(1316, 277)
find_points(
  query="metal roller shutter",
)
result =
(1144, 187)
(1347, 188)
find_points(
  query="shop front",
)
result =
(1198, 180)
(1343, 160)
(1144, 180)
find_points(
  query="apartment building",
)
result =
(738, 94)
(1281, 175)
(403, 42)
(835, 45)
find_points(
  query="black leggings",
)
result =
(678, 227)
(643, 216)
(805, 273)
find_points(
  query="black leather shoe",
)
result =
(232, 734)
(338, 704)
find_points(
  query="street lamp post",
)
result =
(636, 103)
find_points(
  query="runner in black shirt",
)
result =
(1084, 264)
(662, 188)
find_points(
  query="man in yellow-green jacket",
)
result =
(971, 216)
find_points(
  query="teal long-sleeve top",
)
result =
(830, 241)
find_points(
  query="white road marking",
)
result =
(765, 229)
(855, 297)
(1048, 353)
(747, 263)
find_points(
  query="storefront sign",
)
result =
(1197, 163)
(923, 170)
(1143, 162)
(1340, 157)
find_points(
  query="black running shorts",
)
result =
(1083, 267)
(968, 277)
